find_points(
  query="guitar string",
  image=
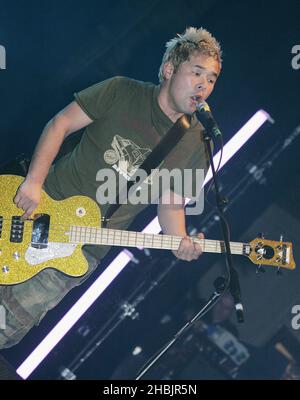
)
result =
(206, 249)
(64, 229)
(60, 229)
(143, 241)
(213, 246)
(129, 236)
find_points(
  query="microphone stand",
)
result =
(219, 285)
(233, 280)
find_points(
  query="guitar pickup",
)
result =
(40, 231)
(16, 230)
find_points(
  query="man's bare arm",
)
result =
(171, 216)
(67, 121)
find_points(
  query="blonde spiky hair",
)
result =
(183, 45)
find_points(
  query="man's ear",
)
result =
(168, 70)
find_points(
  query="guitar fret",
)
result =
(131, 240)
(111, 236)
(165, 242)
(117, 240)
(127, 237)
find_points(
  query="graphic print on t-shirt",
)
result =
(125, 156)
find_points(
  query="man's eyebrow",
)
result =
(213, 73)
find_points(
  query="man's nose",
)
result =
(202, 85)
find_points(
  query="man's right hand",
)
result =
(28, 197)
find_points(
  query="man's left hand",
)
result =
(188, 249)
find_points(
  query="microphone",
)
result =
(206, 118)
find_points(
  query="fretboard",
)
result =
(115, 237)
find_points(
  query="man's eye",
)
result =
(197, 73)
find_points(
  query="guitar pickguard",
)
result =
(53, 250)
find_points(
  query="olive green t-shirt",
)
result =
(127, 124)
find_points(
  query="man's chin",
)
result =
(191, 111)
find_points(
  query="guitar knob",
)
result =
(5, 269)
(261, 235)
(80, 212)
(260, 269)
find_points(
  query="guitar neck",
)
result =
(115, 237)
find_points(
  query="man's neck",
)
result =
(165, 104)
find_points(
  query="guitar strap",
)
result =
(159, 153)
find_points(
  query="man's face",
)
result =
(193, 82)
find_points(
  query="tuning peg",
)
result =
(260, 269)
(261, 235)
(281, 238)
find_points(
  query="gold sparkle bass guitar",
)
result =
(54, 236)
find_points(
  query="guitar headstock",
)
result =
(269, 252)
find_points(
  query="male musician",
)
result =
(124, 120)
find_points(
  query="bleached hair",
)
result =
(180, 48)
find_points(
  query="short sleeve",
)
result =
(97, 100)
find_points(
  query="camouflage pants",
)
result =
(27, 303)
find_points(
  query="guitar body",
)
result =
(28, 247)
